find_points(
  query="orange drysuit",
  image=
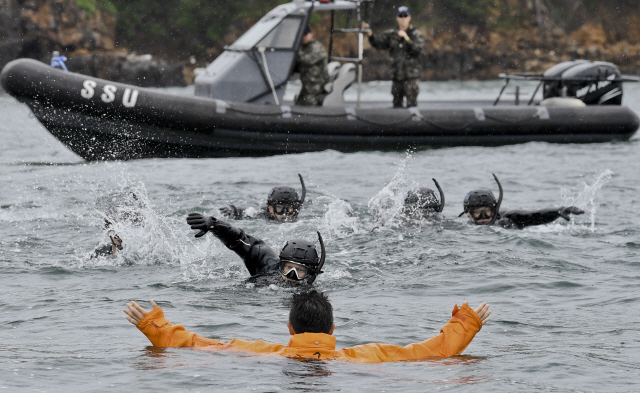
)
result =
(454, 337)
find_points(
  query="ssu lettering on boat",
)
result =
(108, 95)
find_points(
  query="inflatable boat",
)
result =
(238, 108)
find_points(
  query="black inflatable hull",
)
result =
(103, 120)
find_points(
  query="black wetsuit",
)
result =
(239, 213)
(103, 251)
(523, 218)
(262, 213)
(259, 259)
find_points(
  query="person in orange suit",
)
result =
(311, 327)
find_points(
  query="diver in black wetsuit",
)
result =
(121, 207)
(283, 205)
(109, 249)
(299, 262)
(483, 209)
(424, 203)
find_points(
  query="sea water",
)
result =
(565, 296)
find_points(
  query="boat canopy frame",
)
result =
(363, 12)
(542, 79)
(265, 53)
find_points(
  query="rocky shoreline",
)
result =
(35, 28)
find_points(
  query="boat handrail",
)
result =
(543, 78)
(346, 59)
(337, 4)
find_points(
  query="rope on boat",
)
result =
(536, 116)
(412, 116)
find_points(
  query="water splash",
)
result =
(147, 235)
(154, 238)
(588, 198)
(340, 220)
(386, 206)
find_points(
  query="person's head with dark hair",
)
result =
(311, 312)
(307, 35)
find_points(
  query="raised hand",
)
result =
(365, 26)
(201, 223)
(135, 313)
(482, 311)
(565, 212)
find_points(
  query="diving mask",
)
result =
(293, 271)
(284, 209)
(482, 213)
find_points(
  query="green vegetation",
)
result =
(180, 28)
(91, 6)
(185, 27)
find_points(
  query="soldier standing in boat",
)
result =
(405, 45)
(311, 63)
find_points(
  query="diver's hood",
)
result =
(483, 198)
(305, 253)
(287, 195)
(283, 195)
(425, 198)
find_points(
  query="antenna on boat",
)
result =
(360, 52)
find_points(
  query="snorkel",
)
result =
(441, 207)
(497, 211)
(322, 257)
(318, 269)
(304, 191)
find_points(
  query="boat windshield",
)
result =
(271, 32)
(284, 35)
(257, 32)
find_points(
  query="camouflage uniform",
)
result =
(405, 63)
(312, 65)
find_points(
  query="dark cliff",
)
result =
(36, 28)
(464, 39)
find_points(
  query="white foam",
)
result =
(386, 206)
(588, 198)
(340, 220)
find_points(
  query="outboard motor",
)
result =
(553, 88)
(594, 83)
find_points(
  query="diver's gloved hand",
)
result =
(229, 211)
(201, 222)
(566, 211)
